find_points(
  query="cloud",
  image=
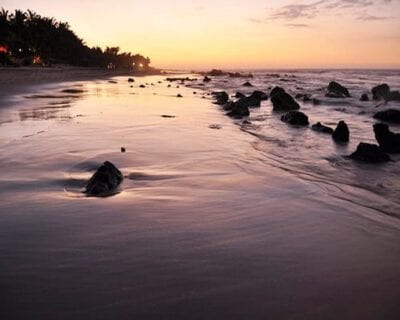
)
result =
(368, 17)
(306, 10)
(297, 25)
(295, 11)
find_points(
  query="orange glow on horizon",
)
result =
(237, 35)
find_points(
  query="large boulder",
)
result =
(295, 118)
(277, 90)
(387, 140)
(381, 92)
(105, 180)
(341, 133)
(390, 115)
(370, 153)
(319, 127)
(336, 90)
(221, 98)
(282, 101)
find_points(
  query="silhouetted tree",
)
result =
(30, 37)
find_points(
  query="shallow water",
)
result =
(246, 221)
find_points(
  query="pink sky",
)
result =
(237, 34)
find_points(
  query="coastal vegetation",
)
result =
(26, 38)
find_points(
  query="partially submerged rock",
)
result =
(336, 90)
(240, 75)
(239, 95)
(319, 127)
(370, 153)
(390, 115)
(237, 111)
(303, 96)
(247, 84)
(249, 102)
(260, 95)
(131, 80)
(295, 118)
(206, 79)
(387, 140)
(341, 133)
(216, 73)
(364, 97)
(179, 95)
(282, 101)
(105, 180)
(221, 97)
(380, 92)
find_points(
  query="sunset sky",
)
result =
(237, 34)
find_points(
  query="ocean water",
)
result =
(249, 221)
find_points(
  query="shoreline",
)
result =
(20, 80)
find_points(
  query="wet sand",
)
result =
(23, 79)
(205, 224)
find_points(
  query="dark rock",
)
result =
(179, 95)
(364, 97)
(238, 111)
(341, 133)
(336, 90)
(249, 102)
(73, 91)
(247, 84)
(316, 101)
(295, 118)
(370, 153)
(390, 115)
(169, 86)
(239, 75)
(239, 95)
(142, 86)
(106, 179)
(168, 116)
(283, 101)
(229, 106)
(276, 91)
(394, 96)
(206, 79)
(387, 140)
(131, 80)
(304, 97)
(259, 95)
(221, 97)
(112, 81)
(216, 73)
(215, 126)
(194, 92)
(123, 150)
(321, 128)
(380, 92)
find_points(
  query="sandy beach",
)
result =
(21, 79)
(215, 219)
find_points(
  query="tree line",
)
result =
(27, 38)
